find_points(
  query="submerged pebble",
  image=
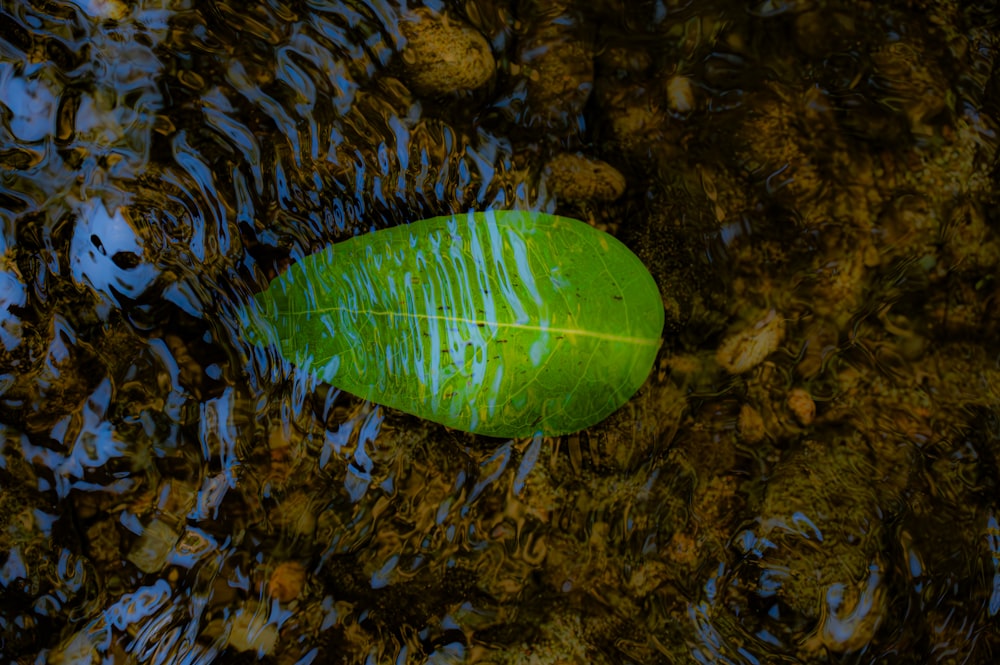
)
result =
(443, 54)
(680, 94)
(150, 552)
(250, 630)
(576, 178)
(745, 349)
(286, 581)
(554, 65)
(802, 406)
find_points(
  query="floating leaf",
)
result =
(498, 323)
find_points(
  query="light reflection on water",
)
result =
(171, 493)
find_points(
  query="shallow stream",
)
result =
(810, 474)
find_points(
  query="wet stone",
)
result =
(443, 54)
(575, 178)
(554, 67)
(103, 541)
(745, 349)
(250, 630)
(802, 406)
(151, 550)
(680, 94)
(286, 581)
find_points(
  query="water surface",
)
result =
(809, 474)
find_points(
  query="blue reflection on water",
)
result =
(993, 545)
(133, 607)
(491, 468)
(528, 461)
(13, 568)
(383, 576)
(100, 237)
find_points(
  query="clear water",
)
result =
(809, 475)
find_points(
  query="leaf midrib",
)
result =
(608, 337)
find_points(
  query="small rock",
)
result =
(105, 10)
(555, 65)
(802, 406)
(680, 94)
(150, 552)
(103, 541)
(444, 54)
(194, 544)
(286, 581)
(744, 350)
(573, 177)
(250, 630)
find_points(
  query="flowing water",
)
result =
(810, 474)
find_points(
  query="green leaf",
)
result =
(500, 323)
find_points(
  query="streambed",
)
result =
(808, 475)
